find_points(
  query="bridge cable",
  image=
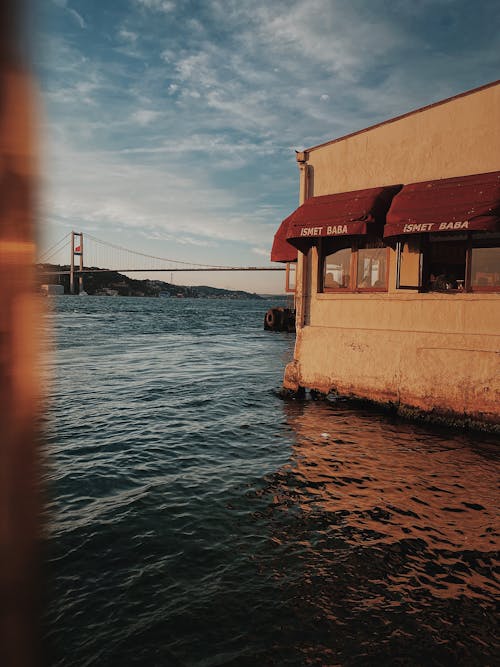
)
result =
(47, 254)
(161, 259)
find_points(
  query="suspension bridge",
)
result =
(105, 257)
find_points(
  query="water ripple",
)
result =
(194, 518)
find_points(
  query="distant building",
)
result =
(107, 291)
(398, 266)
(52, 290)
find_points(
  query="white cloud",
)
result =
(262, 252)
(302, 49)
(222, 151)
(168, 55)
(198, 68)
(63, 4)
(78, 18)
(330, 34)
(93, 187)
(78, 90)
(158, 5)
(128, 35)
(145, 116)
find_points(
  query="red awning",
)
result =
(343, 214)
(282, 251)
(448, 205)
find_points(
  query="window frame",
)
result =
(288, 272)
(322, 255)
(470, 243)
(399, 246)
(355, 245)
(485, 243)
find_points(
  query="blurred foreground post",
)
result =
(19, 391)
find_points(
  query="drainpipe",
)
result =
(291, 379)
(300, 279)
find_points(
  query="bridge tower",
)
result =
(76, 250)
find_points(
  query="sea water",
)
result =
(195, 518)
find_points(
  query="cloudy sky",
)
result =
(169, 126)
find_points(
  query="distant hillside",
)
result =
(109, 284)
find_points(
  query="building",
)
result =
(52, 290)
(397, 288)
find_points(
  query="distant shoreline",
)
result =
(118, 284)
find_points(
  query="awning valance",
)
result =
(464, 203)
(282, 251)
(343, 214)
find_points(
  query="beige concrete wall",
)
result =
(430, 351)
(456, 138)
(435, 352)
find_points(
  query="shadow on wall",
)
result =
(310, 181)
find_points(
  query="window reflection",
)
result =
(291, 268)
(337, 269)
(485, 267)
(372, 268)
(447, 261)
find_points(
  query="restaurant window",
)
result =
(485, 268)
(337, 269)
(409, 263)
(291, 273)
(354, 265)
(449, 262)
(445, 262)
(372, 266)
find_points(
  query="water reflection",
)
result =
(393, 534)
(199, 520)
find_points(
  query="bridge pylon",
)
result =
(76, 250)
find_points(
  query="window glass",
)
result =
(290, 276)
(409, 259)
(485, 267)
(372, 268)
(446, 264)
(446, 258)
(336, 269)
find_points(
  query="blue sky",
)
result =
(169, 126)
